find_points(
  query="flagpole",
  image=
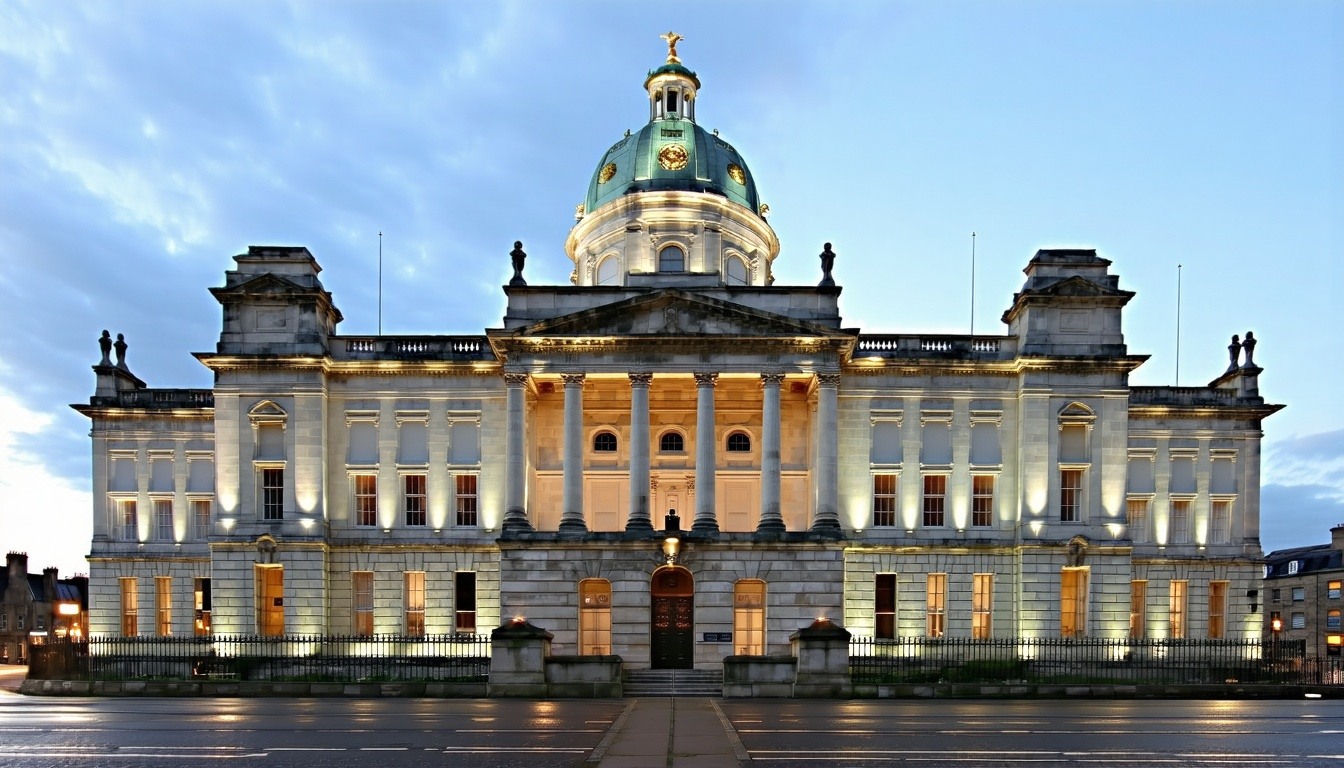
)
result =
(380, 282)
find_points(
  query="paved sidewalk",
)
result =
(670, 733)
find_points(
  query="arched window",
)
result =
(671, 259)
(749, 617)
(739, 442)
(735, 271)
(604, 442)
(671, 442)
(594, 617)
(608, 272)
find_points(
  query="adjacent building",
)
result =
(1303, 601)
(37, 607)
(674, 458)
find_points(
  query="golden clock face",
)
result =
(736, 173)
(673, 157)
(604, 175)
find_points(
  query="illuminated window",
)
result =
(465, 487)
(1070, 495)
(270, 592)
(415, 603)
(201, 604)
(982, 605)
(366, 500)
(163, 519)
(1138, 520)
(272, 493)
(362, 587)
(1180, 521)
(200, 515)
(1176, 606)
(130, 526)
(671, 258)
(1220, 525)
(671, 442)
(594, 617)
(739, 442)
(130, 607)
(884, 500)
(1217, 609)
(1138, 609)
(413, 498)
(464, 601)
(935, 500)
(982, 501)
(935, 604)
(1073, 602)
(884, 607)
(604, 442)
(749, 617)
(163, 606)
(1332, 619)
(1332, 589)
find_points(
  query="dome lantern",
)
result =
(672, 87)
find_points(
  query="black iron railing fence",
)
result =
(1086, 660)
(299, 658)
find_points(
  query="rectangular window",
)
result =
(130, 525)
(163, 606)
(935, 604)
(1217, 609)
(884, 500)
(1182, 475)
(200, 515)
(1299, 594)
(1138, 609)
(464, 602)
(1276, 594)
(415, 603)
(362, 586)
(414, 498)
(982, 605)
(1332, 589)
(985, 450)
(270, 592)
(1220, 531)
(366, 500)
(1070, 495)
(884, 606)
(1138, 520)
(935, 500)
(130, 607)
(982, 501)
(1180, 521)
(1176, 608)
(201, 601)
(594, 617)
(749, 617)
(466, 499)
(1073, 443)
(464, 442)
(936, 444)
(1332, 619)
(273, 493)
(1299, 621)
(1073, 602)
(163, 519)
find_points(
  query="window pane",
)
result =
(366, 500)
(884, 606)
(884, 500)
(935, 499)
(414, 490)
(982, 500)
(464, 601)
(466, 500)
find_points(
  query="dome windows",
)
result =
(608, 271)
(734, 271)
(671, 259)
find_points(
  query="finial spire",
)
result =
(672, 39)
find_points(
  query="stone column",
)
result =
(639, 519)
(826, 518)
(571, 514)
(515, 457)
(771, 522)
(705, 453)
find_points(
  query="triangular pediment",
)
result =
(671, 313)
(1076, 285)
(262, 285)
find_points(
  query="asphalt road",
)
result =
(67, 732)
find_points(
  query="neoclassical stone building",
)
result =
(673, 458)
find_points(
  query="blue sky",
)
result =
(143, 144)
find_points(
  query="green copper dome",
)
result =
(672, 153)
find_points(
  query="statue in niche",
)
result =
(827, 264)
(105, 344)
(1233, 352)
(519, 259)
(1248, 346)
(1076, 552)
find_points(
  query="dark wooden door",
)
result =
(671, 619)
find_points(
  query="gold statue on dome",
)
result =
(672, 39)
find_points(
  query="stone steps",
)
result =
(672, 682)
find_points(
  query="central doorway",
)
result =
(671, 621)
